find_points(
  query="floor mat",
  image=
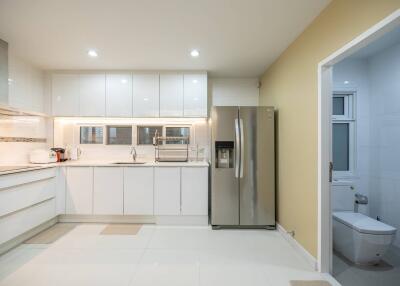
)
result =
(121, 229)
(310, 283)
(51, 234)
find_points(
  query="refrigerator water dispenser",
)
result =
(224, 154)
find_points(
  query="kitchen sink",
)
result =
(129, 163)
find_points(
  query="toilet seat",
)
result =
(363, 223)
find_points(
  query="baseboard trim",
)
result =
(159, 220)
(107, 219)
(7, 246)
(311, 260)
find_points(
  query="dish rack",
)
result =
(164, 152)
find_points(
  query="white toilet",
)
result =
(360, 238)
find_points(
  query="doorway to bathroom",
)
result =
(359, 145)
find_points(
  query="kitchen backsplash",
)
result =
(67, 132)
(21, 134)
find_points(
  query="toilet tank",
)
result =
(343, 197)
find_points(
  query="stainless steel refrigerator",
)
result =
(243, 167)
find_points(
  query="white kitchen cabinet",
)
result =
(92, 96)
(146, 94)
(108, 188)
(171, 95)
(79, 190)
(15, 224)
(167, 191)
(65, 94)
(138, 191)
(26, 84)
(60, 190)
(195, 95)
(194, 189)
(119, 95)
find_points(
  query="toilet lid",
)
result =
(363, 223)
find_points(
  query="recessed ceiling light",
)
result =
(194, 53)
(92, 53)
(346, 82)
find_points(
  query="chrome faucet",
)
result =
(133, 153)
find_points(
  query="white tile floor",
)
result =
(158, 255)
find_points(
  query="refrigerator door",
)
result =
(257, 175)
(225, 177)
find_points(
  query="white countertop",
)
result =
(102, 163)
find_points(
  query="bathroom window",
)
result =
(178, 131)
(91, 135)
(119, 135)
(145, 134)
(343, 134)
(342, 106)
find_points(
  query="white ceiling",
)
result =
(234, 37)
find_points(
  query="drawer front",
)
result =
(17, 223)
(11, 180)
(22, 196)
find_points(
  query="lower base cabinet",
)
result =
(79, 190)
(167, 191)
(108, 191)
(138, 191)
(194, 191)
(159, 191)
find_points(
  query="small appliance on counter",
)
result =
(60, 153)
(74, 152)
(42, 156)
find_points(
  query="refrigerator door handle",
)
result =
(241, 148)
(237, 150)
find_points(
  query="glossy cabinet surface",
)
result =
(146, 95)
(171, 95)
(108, 191)
(65, 94)
(194, 188)
(119, 95)
(195, 95)
(79, 190)
(167, 191)
(138, 191)
(92, 96)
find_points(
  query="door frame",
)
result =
(325, 89)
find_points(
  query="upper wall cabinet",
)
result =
(92, 96)
(26, 85)
(130, 95)
(119, 95)
(171, 95)
(195, 95)
(146, 91)
(65, 94)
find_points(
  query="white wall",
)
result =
(384, 72)
(22, 126)
(234, 91)
(352, 75)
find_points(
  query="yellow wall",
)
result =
(290, 84)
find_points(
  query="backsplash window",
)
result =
(146, 134)
(178, 131)
(91, 135)
(119, 135)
